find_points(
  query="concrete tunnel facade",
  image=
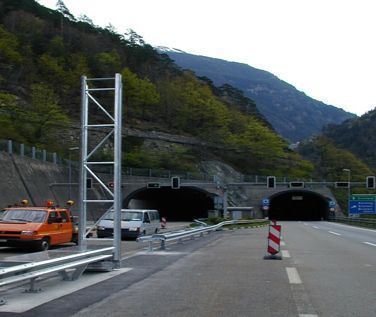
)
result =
(183, 204)
(298, 205)
(190, 202)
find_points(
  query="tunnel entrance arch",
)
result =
(298, 205)
(183, 204)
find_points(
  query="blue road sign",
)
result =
(363, 204)
(332, 203)
(265, 202)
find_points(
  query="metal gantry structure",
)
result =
(92, 102)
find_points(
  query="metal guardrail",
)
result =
(76, 263)
(360, 222)
(179, 235)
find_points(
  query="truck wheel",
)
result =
(44, 244)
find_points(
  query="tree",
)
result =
(45, 117)
(62, 8)
(133, 38)
(84, 18)
(10, 112)
(65, 13)
(108, 63)
(139, 93)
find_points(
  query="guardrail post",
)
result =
(150, 249)
(22, 149)
(32, 288)
(54, 158)
(163, 244)
(44, 155)
(33, 152)
(10, 147)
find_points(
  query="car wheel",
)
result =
(44, 244)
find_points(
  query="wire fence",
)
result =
(33, 152)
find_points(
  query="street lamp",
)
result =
(70, 171)
(347, 170)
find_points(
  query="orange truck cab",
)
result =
(38, 227)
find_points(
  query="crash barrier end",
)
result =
(274, 241)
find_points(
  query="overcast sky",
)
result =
(325, 48)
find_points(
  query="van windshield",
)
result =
(126, 216)
(22, 215)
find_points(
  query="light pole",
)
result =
(348, 171)
(70, 171)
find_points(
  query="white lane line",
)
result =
(19, 302)
(308, 315)
(304, 223)
(282, 243)
(315, 227)
(348, 226)
(335, 233)
(285, 254)
(293, 275)
(369, 243)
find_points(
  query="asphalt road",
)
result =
(337, 265)
(327, 270)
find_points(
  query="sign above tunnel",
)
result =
(362, 204)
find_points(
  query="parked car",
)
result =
(37, 227)
(134, 222)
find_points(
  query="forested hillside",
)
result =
(330, 160)
(293, 114)
(341, 146)
(43, 53)
(358, 136)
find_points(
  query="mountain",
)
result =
(44, 53)
(357, 136)
(293, 114)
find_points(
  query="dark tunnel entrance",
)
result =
(298, 205)
(183, 204)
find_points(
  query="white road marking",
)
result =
(282, 243)
(304, 223)
(293, 275)
(285, 254)
(17, 301)
(335, 233)
(369, 243)
(308, 315)
(348, 226)
(159, 253)
(315, 227)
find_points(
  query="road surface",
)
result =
(327, 270)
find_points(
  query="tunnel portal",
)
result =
(298, 205)
(183, 204)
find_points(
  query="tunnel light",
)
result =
(371, 182)
(296, 185)
(342, 184)
(270, 182)
(89, 183)
(175, 182)
(153, 185)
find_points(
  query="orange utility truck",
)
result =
(37, 227)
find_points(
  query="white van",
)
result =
(134, 223)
